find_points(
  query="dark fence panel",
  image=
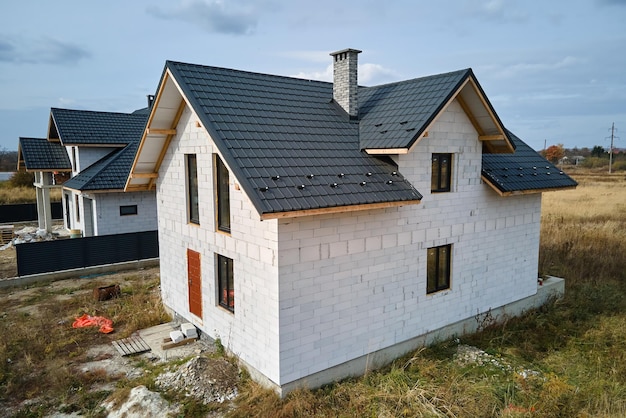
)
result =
(25, 212)
(49, 256)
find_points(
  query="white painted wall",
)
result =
(355, 283)
(86, 156)
(252, 331)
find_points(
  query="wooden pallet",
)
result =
(131, 345)
(6, 233)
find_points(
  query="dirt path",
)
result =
(8, 266)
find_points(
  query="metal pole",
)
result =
(611, 149)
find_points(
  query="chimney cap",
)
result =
(344, 51)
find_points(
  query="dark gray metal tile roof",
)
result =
(524, 170)
(109, 173)
(395, 115)
(289, 145)
(40, 154)
(293, 148)
(85, 127)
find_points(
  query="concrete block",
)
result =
(176, 336)
(189, 330)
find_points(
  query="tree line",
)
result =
(595, 157)
(8, 160)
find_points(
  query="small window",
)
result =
(223, 195)
(192, 189)
(128, 210)
(441, 173)
(225, 282)
(74, 165)
(438, 268)
(77, 204)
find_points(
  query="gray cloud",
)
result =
(41, 51)
(213, 15)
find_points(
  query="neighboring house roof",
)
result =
(295, 149)
(86, 127)
(37, 154)
(523, 172)
(108, 173)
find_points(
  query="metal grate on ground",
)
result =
(131, 345)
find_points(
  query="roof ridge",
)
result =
(248, 72)
(465, 70)
(98, 111)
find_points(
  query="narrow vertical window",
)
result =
(223, 195)
(226, 282)
(77, 204)
(74, 165)
(192, 189)
(441, 173)
(438, 268)
(67, 211)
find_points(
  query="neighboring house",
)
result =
(321, 228)
(99, 149)
(51, 166)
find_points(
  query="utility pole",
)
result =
(611, 148)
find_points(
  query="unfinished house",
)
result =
(319, 229)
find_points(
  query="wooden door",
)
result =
(195, 283)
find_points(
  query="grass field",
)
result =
(566, 359)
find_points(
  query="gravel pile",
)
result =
(206, 379)
(469, 355)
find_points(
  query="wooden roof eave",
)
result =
(523, 192)
(336, 209)
(169, 135)
(95, 191)
(501, 139)
(48, 170)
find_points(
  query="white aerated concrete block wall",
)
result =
(313, 293)
(355, 283)
(252, 331)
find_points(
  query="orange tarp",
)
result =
(105, 324)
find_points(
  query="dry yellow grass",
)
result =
(583, 231)
(14, 195)
(596, 197)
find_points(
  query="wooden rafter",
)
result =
(144, 175)
(168, 139)
(156, 131)
(498, 137)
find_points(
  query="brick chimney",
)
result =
(345, 84)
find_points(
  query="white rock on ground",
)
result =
(142, 403)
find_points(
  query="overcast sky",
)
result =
(554, 71)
